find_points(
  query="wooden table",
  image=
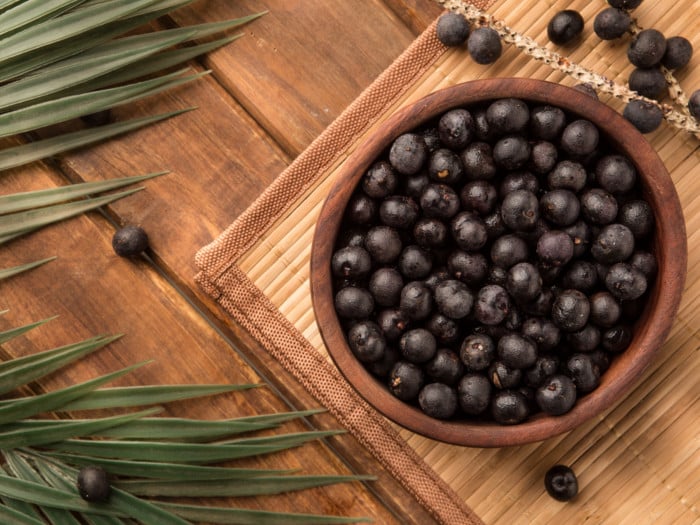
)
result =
(269, 95)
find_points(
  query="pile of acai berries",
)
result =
(492, 263)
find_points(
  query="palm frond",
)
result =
(40, 149)
(16, 270)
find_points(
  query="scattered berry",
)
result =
(648, 82)
(647, 48)
(452, 29)
(129, 241)
(625, 4)
(678, 53)
(93, 484)
(645, 116)
(694, 104)
(611, 23)
(484, 45)
(565, 26)
(561, 483)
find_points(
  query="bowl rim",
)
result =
(651, 330)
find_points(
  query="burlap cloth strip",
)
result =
(220, 277)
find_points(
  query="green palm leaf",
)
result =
(44, 496)
(192, 453)
(31, 12)
(78, 70)
(15, 270)
(39, 198)
(50, 433)
(16, 372)
(54, 30)
(23, 470)
(166, 471)
(59, 110)
(257, 486)
(11, 516)
(40, 149)
(15, 332)
(17, 224)
(28, 407)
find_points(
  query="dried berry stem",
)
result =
(561, 63)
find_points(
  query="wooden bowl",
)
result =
(650, 332)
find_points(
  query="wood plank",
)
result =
(416, 14)
(301, 64)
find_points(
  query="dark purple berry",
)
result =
(406, 380)
(130, 241)
(439, 201)
(477, 352)
(354, 303)
(611, 23)
(351, 262)
(445, 367)
(509, 407)
(93, 484)
(648, 82)
(555, 248)
(615, 174)
(507, 116)
(477, 159)
(385, 284)
(584, 372)
(516, 351)
(380, 180)
(570, 310)
(561, 483)
(484, 45)
(512, 152)
(643, 115)
(456, 128)
(452, 29)
(416, 300)
(557, 395)
(647, 48)
(625, 282)
(565, 26)
(694, 104)
(366, 341)
(547, 122)
(492, 304)
(580, 138)
(408, 153)
(520, 210)
(474, 394)
(453, 299)
(384, 244)
(678, 53)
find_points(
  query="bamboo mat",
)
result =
(639, 463)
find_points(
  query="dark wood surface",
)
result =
(653, 327)
(269, 95)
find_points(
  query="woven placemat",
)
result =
(638, 463)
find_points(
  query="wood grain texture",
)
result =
(304, 61)
(269, 95)
(651, 330)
